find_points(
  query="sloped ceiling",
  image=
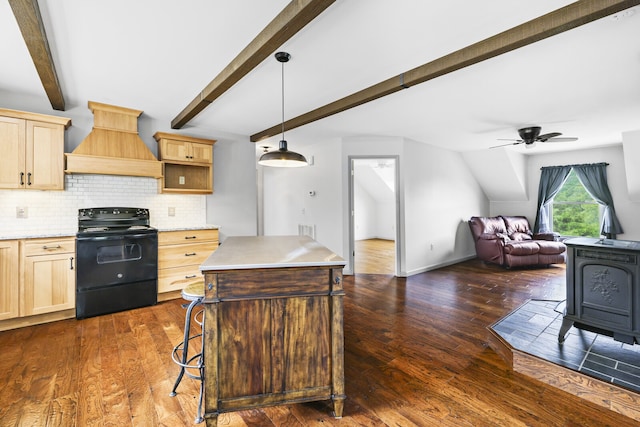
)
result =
(157, 55)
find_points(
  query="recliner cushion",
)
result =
(521, 248)
(551, 248)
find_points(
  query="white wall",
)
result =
(365, 213)
(287, 202)
(233, 202)
(440, 195)
(626, 209)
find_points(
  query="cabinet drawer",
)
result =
(181, 255)
(178, 278)
(49, 246)
(186, 236)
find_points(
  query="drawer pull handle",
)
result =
(190, 277)
(71, 259)
(191, 254)
(29, 178)
(46, 248)
(21, 178)
(190, 237)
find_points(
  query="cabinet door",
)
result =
(49, 283)
(174, 150)
(45, 156)
(201, 153)
(8, 279)
(12, 147)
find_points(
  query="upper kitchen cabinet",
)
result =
(187, 163)
(32, 147)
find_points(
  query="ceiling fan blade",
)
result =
(563, 139)
(547, 136)
(510, 143)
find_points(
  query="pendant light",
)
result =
(282, 157)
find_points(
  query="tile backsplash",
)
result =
(56, 212)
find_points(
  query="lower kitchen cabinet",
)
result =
(180, 254)
(9, 278)
(49, 276)
(37, 281)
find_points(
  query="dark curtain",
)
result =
(551, 180)
(594, 179)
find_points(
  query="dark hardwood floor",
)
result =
(416, 354)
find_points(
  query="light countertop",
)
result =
(247, 252)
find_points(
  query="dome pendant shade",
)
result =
(282, 158)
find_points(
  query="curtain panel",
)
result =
(551, 180)
(594, 179)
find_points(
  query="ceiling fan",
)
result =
(530, 135)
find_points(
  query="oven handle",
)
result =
(117, 237)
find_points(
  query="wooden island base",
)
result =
(273, 330)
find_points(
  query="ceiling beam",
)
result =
(27, 15)
(289, 21)
(553, 23)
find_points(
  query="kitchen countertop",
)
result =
(247, 252)
(39, 236)
(194, 227)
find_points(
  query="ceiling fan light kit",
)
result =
(282, 157)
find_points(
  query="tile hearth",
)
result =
(533, 328)
(591, 366)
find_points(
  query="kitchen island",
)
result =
(273, 328)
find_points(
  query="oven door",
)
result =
(112, 260)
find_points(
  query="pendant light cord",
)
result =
(282, 100)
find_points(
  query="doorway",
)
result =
(374, 204)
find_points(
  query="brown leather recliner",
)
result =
(508, 241)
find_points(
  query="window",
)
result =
(575, 213)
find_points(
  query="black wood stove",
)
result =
(603, 288)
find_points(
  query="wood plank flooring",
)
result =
(375, 256)
(416, 354)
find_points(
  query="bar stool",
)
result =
(194, 293)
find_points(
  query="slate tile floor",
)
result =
(533, 328)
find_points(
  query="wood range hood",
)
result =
(113, 146)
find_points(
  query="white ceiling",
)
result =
(157, 55)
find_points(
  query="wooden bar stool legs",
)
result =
(180, 354)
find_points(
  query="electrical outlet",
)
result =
(22, 212)
(172, 211)
(181, 180)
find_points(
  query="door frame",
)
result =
(398, 245)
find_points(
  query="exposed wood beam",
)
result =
(27, 14)
(289, 21)
(553, 23)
